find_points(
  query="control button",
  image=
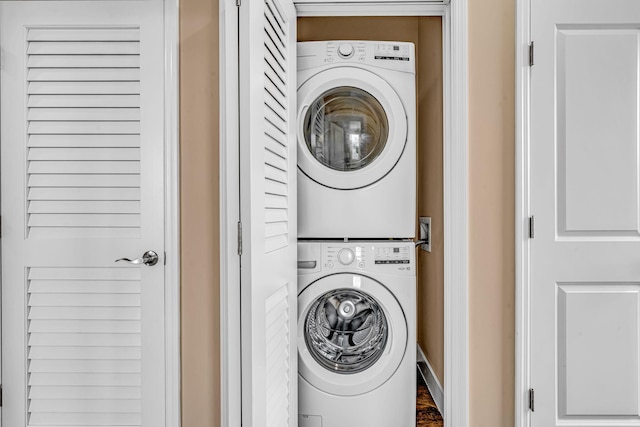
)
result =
(329, 264)
(345, 50)
(346, 256)
(361, 265)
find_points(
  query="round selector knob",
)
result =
(346, 256)
(345, 50)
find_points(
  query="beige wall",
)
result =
(426, 34)
(200, 267)
(491, 203)
(491, 211)
(430, 193)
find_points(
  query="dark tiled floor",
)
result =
(427, 414)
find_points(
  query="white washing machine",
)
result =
(356, 334)
(356, 135)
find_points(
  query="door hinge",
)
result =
(532, 230)
(239, 238)
(0, 394)
(531, 400)
(530, 54)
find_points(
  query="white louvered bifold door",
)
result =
(268, 206)
(82, 185)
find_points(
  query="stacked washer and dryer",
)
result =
(356, 222)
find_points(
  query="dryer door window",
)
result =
(346, 128)
(346, 331)
(352, 128)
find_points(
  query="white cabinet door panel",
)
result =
(268, 211)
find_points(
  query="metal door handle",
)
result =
(148, 258)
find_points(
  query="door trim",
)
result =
(172, 212)
(523, 212)
(229, 137)
(456, 268)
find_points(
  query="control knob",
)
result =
(346, 256)
(345, 50)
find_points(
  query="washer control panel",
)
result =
(343, 255)
(392, 257)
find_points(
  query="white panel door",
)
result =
(268, 212)
(585, 256)
(82, 185)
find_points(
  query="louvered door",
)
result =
(268, 206)
(82, 185)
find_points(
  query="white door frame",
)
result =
(456, 330)
(523, 69)
(172, 211)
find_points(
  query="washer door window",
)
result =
(352, 334)
(352, 128)
(346, 331)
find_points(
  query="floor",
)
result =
(427, 414)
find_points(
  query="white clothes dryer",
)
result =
(356, 135)
(356, 334)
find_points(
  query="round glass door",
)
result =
(352, 128)
(346, 331)
(346, 128)
(352, 334)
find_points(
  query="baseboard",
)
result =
(430, 378)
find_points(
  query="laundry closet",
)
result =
(334, 115)
(276, 136)
(426, 34)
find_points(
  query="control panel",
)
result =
(392, 257)
(392, 51)
(344, 256)
(388, 55)
(345, 50)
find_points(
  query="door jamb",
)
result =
(455, 28)
(229, 137)
(172, 212)
(523, 212)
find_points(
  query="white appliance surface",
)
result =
(356, 126)
(356, 333)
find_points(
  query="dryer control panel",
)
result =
(398, 56)
(392, 257)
